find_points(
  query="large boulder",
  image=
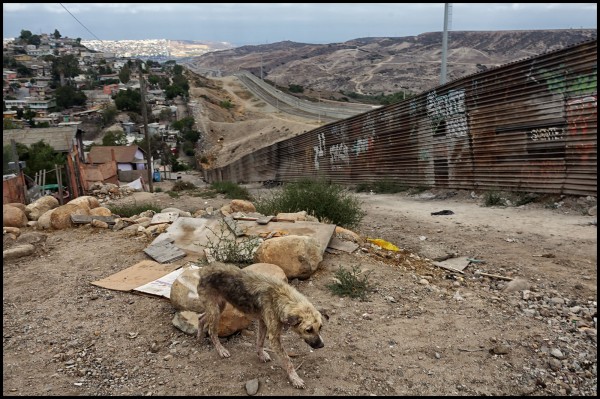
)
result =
(238, 205)
(184, 296)
(61, 216)
(100, 211)
(43, 223)
(89, 200)
(298, 256)
(40, 206)
(18, 251)
(13, 217)
(18, 205)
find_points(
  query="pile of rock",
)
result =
(108, 191)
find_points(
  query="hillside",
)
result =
(387, 64)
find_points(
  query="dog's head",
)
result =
(307, 321)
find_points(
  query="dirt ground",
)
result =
(422, 331)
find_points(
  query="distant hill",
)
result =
(377, 65)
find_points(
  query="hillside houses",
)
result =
(29, 82)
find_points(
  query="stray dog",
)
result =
(274, 303)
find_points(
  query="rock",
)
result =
(347, 234)
(238, 205)
(40, 206)
(268, 269)
(12, 230)
(423, 281)
(156, 229)
(252, 387)
(298, 256)
(554, 364)
(100, 211)
(517, 284)
(557, 353)
(178, 211)
(22, 207)
(500, 349)
(13, 217)
(61, 216)
(200, 213)
(33, 238)
(99, 224)
(297, 216)
(18, 251)
(89, 200)
(43, 223)
(593, 211)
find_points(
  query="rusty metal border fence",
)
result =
(530, 125)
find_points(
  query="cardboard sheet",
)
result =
(161, 286)
(136, 275)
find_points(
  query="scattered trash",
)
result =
(444, 212)
(510, 239)
(383, 244)
(422, 238)
(545, 256)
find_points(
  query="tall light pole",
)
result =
(444, 44)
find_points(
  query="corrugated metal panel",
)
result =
(527, 126)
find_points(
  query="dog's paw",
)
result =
(223, 352)
(297, 382)
(264, 357)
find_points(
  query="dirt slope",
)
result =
(423, 331)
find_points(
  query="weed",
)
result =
(388, 187)
(158, 190)
(525, 198)
(328, 202)
(231, 190)
(227, 248)
(129, 210)
(492, 198)
(173, 194)
(204, 193)
(349, 283)
(419, 189)
(183, 185)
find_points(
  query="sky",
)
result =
(262, 23)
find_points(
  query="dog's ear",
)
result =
(292, 320)
(324, 314)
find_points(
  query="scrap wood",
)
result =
(495, 276)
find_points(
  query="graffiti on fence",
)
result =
(447, 111)
(319, 149)
(547, 134)
(339, 156)
(560, 80)
(582, 123)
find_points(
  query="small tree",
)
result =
(56, 34)
(125, 74)
(114, 137)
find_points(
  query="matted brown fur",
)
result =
(274, 303)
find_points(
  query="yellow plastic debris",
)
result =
(383, 244)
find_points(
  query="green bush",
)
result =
(349, 283)
(129, 210)
(231, 190)
(492, 198)
(328, 202)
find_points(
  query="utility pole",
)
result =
(146, 135)
(261, 67)
(444, 45)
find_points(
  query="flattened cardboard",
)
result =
(136, 275)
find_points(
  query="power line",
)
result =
(80, 22)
